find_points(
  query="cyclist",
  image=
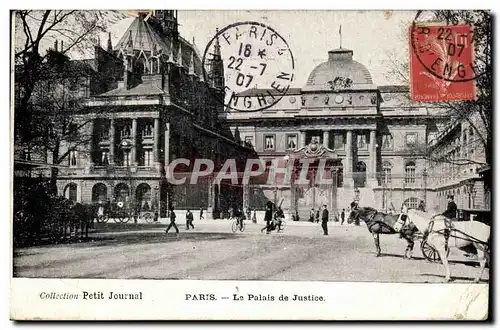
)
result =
(279, 216)
(238, 214)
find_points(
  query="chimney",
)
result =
(55, 45)
(62, 46)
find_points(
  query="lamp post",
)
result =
(424, 175)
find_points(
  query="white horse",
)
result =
(461, 234)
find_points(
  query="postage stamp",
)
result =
(442, 62)
(243, 167)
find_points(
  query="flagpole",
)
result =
(340, 34)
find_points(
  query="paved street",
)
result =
(213, 252)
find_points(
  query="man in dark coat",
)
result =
(172, 222)
(324, 220)
(268, 216)
(451, 210)
(189, 219)
(421, 206)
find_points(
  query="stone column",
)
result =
(133, 152)
(92, 146)
(372, 167)
(166, 150)
(302, 139)
(210, 203)
(326, 135)
(333, 194)
(156, 145)
(246, 199)
(348, 179)
(112, 141)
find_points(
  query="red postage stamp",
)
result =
(441, 63)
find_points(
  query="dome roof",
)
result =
(339, 64)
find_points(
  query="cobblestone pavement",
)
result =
(213, 252)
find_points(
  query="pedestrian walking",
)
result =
(189, 219)
(342, 216)
(268, 217)
(317, 215)
(248, 213)
(312, 214)
(172, 222)
(201, 213)
(324, 220)
(254, 217)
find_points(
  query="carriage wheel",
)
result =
(234, 226)
(148, 217)
(105, 218)
(125, 218)
(430, 253)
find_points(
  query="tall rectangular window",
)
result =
(127, 158)
(147, 157)
(387, 142)
(338, 141)
(73, 156)
(291, 141)
(104, 157)
(410, 173)
(362, 141)
(269, 142)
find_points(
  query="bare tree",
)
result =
(35, 30)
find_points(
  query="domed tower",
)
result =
(339, 71)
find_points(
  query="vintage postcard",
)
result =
(228, 161)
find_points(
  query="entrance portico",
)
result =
(316, 170)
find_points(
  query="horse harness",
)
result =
(447, 232)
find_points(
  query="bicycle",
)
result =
(281, 226)
(235, 226)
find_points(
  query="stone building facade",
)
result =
(158, 109)
(458, 157)
(368, 133)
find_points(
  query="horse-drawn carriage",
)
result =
(436, 234)
(122, 212)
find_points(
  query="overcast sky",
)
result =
(372, 35)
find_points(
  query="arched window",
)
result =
(122, 192)
(70, 191)
(412, 203)
(99, 193)
(387, 169)
(410, 173)
(143, 196)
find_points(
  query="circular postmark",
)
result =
(445, 51)
(255, 62)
